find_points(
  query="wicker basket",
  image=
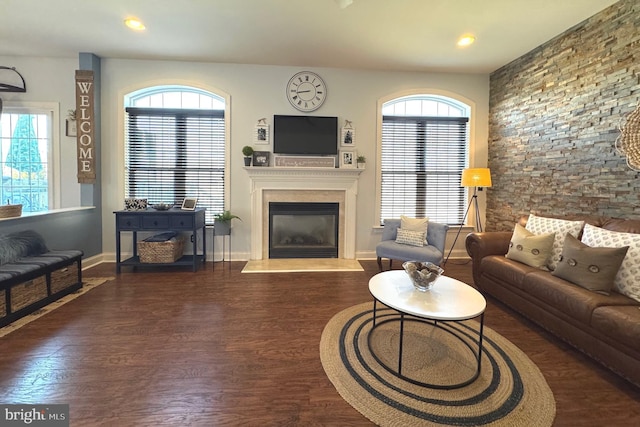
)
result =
(161, 252)
(10, 211)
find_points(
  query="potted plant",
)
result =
(222, 223)
(248, 153)
(360, 161)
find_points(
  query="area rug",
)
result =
(292, 265)
(87, 285)
(510, 391)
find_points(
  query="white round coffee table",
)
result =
(448, 300)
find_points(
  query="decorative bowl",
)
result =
(162, 206)
(422, 274)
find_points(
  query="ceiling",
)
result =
(405, 35)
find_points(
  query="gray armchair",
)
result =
(433, 252)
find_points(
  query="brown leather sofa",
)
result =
(607, 328)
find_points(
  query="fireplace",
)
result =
(303, 230)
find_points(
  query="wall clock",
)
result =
(306, 91)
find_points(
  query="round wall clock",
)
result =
(306, 91)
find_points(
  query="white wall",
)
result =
(255, 92)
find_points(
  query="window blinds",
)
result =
(171, 154)
(422, 160)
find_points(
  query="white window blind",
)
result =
(422, 159)
(171, 154)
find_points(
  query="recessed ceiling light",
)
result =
(466, 40)
(134, 24)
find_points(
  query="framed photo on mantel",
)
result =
(261, 158)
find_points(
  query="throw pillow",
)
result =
(409, 237)
(627, 281)
(542, 225)
(594, 269)
(415, 224)
(20, 244)
(528, 248)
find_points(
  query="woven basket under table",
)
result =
(161, 252)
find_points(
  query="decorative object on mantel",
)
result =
(628, 142)
(222, 223)
(10, 211)
(304, 162)
(361, 161)
(347, 159)
(6, 87)
(71, 129)
(261, 158)
(248, 154)
(347, 135)
(261, 135)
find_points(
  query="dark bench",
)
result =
(32, 276)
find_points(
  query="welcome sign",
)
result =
(85, 123)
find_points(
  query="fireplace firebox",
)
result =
(303, 230)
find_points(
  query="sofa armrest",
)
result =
(480, 245)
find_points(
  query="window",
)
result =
(175, 147)
(25, 149)
(423, 152)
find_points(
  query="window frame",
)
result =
(52, 109)
(444, 95)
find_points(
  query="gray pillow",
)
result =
(591, 268)
(20, 244)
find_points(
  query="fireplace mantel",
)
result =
(288, 184)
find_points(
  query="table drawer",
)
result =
(182, 222)
(155, 221)
(128, 222)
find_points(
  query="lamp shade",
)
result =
(476, 177)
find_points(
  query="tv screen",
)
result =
(310, 135)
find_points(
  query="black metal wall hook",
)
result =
(6, 87)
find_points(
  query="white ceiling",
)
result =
(409, 35)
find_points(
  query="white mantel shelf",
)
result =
(293, 180)
(261, 171)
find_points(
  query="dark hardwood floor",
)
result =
(176, 348)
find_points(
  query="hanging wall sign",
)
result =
(85, 124)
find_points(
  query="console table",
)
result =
(151, 220)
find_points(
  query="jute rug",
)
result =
(510, 390)
(87, 285)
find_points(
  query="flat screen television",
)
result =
(308, 135)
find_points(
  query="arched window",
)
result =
(175, 146)
(424, 148)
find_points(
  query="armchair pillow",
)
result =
(415, 224)
(408, 237)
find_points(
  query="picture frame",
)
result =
(71, 128)
(261, 134)
(347, 137)
(261, 158)
(348, 159)
(189, 203)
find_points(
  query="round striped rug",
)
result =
(510, 391)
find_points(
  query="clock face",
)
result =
(306, 91)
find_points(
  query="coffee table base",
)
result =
(433, 323)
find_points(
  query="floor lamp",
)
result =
(476, 178)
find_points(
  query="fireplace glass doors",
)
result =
(303, 230)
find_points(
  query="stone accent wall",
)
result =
(554, 119)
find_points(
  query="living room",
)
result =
(545, 123)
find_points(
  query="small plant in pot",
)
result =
(222, 223)
(360, 161)
(248, 153)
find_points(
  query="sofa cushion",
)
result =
(542, 225)
(576, 302)
(592, 268)
(627, 281)
(529, 248)
(408, 237)
(500, 269)
(621, 323)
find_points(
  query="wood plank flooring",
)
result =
(175, 348)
